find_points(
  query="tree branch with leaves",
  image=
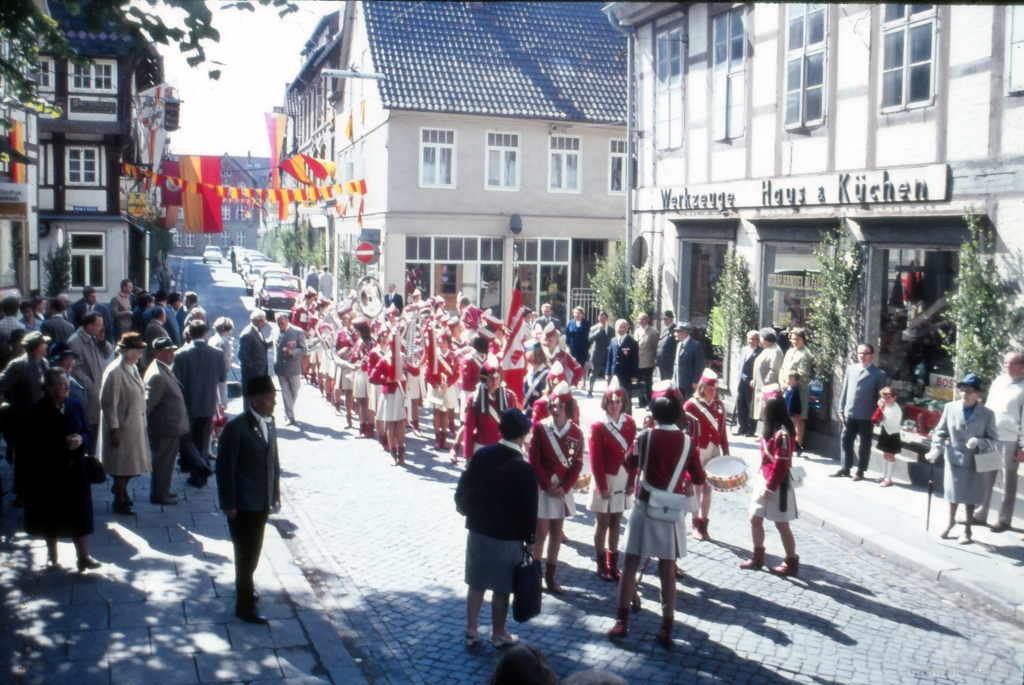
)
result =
(832, 317)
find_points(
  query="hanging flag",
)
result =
(202, 209)
(275, 130)
(320, 168)
(356, 187)
(341, 208)
(296, 168)
(362, 112)
(359, 216)
(17, 138)
(348, 126)
(513, 360)
(170, 192)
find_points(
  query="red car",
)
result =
(279, 293)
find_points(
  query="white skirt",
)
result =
(413, 387)
(327, 366)
(314, 356)
(374, 399)
(709, 453)
(549, 507)
(360, 384)
(392, 406)
(348, 378)
(619, 500)
(647, 537)
(770, 509)
(448, 400)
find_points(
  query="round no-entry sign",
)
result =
(366, 253)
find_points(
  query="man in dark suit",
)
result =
(689, 360)
(56, 327)
(166, 419)
(667, 345)
(249, 486)
(600, 338)
(745, 391)
(623, 361)
(87, 304)
(393, 298)
(21, 384)
(252, 350)
(156, 328)
(200, 368)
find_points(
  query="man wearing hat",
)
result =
(249, 486)
(689, 364)
(21, 384)
(63, 356)
(166, 419)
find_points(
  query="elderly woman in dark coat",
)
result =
(59, 498)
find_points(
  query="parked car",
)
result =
(278, 292)
(258, 271)
(212, 254)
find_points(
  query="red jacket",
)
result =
(482, 427)
(469, 370)
(442, 380)
(573, 370)
(380, 374)
(713, 430)
(666, 449)
(776, 458)
(607, 452)
(300, 317)
(557, 459)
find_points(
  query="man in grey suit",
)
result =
(252, 349)
(90, 344)
(857, 402)
(200, 368)
(689, 360)
(166, 419)
(600, 338)
(289, 347)
(249, 486)
(667, 345)
(56, 327)
(155, 329)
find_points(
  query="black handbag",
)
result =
(526, 588)
(97, 474)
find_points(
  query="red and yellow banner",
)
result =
(17, 138)
(202, 208)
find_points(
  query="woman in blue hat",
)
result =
(967, 428)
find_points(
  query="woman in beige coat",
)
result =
(123, 443)
(799, 359)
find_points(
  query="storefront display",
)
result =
(544, 274)
(446, 266)
(703, 262)
(790, 279)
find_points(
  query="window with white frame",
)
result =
(225, 239)
(805, 65)
(617, 166)
(83, 166)
(437, 158)
(177, 238)
(190, 240)
(730, 81)
(88, 260)
(225, 211)
(908, 52)
(209, 239)
(503, 161)
(564, 167)
(98, 76)
(240, 238)
(46, 74)
(670, 89)
(1017, 49)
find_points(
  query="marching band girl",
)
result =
(612, 491)
(388, 375)
(442, 378)
(549, 338)
(536, 380)
(346, 339)
(360, 380)
(556, 453)
(712, 439)
(483, 413)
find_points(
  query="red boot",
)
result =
(756, 560)
(613, 565)
(698, 533)
(549, 579)
(790, 566)
(621, 628)
(704, 529)
(401, 455)
(416, 426)
(437, 439)
(602, 566)
(664, 636)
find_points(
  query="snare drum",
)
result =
(726, 474)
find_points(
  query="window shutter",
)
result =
(720, 105)
(737, 91)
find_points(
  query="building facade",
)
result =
(493, 136)
(762, 126)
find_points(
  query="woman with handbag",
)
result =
(712, 439)
(59, 498)
(773, 496)
(556, 453)
(657, 527)
(612, 492)
(965, 429)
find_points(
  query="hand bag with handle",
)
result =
(988, 461)
(526, 588)
(667, 505)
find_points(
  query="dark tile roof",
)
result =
(104, 40)
(547, 60)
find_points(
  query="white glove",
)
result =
(972, 444)
(934, 454)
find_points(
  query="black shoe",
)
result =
(164, 501)
(250, 615)
(196, 482)
(88, 564)
(858, 475)
(126, 509)
(841, 473)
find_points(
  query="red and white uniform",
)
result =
(557, 457)
(712, 437)
(480, 428)
(360, 355)
(470, 364)
(573, 370)
(609, 443)
(444, 384)
(392, 401)
(776, 459)
(300, 317)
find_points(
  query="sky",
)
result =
(259, 56)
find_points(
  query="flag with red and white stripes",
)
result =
(513, 360)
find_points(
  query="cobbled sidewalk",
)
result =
(161, 609)
(384, 548)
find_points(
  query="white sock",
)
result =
(890, 468)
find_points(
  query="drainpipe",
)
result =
(630, 33)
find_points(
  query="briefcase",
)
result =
(526, 588)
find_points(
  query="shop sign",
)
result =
(940, 387)
(789, 281)
(137, 204)
(866, 187)
(14, 201)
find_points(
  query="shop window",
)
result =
(544, 273)
(617, 166)
(417, 248)
(98, 76)
(703, 262)
(502, 161)
(790, 279)
(670, 90)
(88, 260)
(914, 331)
(417, 276)
(437, 158)
(805, 65)
(490, 287)
(564, 167)
(190, 240)
(730, 81)
(82, 166)
(1016, 57)
(908, 39)
(492, 249)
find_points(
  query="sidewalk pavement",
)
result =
(161, 609)
(890, 523)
